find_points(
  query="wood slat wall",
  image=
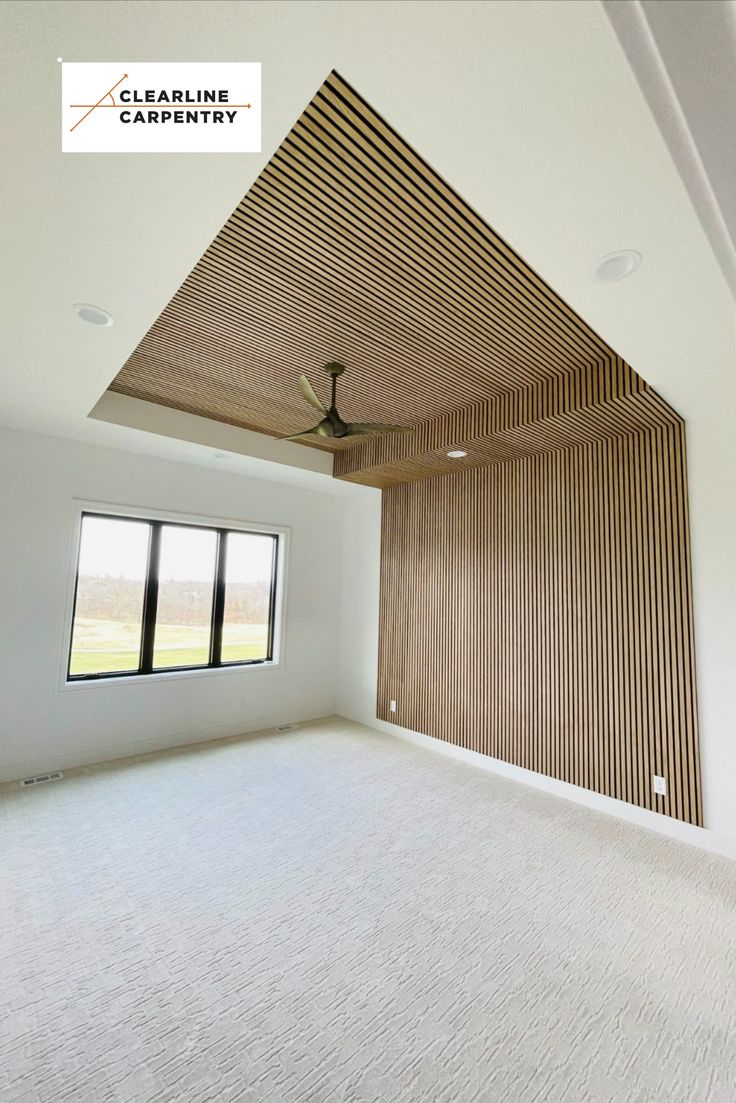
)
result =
(540, 611)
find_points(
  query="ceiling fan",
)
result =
(332, 424)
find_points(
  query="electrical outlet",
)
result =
(392, 706)
(660, 786)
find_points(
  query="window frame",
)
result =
(157, 519)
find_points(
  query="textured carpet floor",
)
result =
(335, 915)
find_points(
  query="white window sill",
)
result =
(167, 675)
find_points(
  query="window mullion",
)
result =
(272, 598)
(218, 601)
(150, 603)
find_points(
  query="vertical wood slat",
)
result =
(540, 611)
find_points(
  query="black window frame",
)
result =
(150, 598)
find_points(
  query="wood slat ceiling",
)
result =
(350, 247)
(593, 404)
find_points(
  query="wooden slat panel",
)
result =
(606, 400)
(540, 611)
(349, 246)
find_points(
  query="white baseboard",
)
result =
(713, 841)
(110, 752)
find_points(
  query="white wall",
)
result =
(43, 726)
(361, 550)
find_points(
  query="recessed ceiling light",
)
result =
(456, 454)
(616, 266)
(93, 315)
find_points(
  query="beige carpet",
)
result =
(335, 915)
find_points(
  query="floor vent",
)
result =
(286, 727)
(39, 779)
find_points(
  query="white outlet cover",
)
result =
(660, 786)
(393, 706)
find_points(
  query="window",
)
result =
(186, 587)
(155, 596)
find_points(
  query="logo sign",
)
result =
(166, 107)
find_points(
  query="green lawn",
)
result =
(107, 647)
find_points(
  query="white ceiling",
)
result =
(530, 110)
(684, 58)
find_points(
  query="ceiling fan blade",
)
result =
(322, 429)
(305, 433)
(306, 388)
(360, 428)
